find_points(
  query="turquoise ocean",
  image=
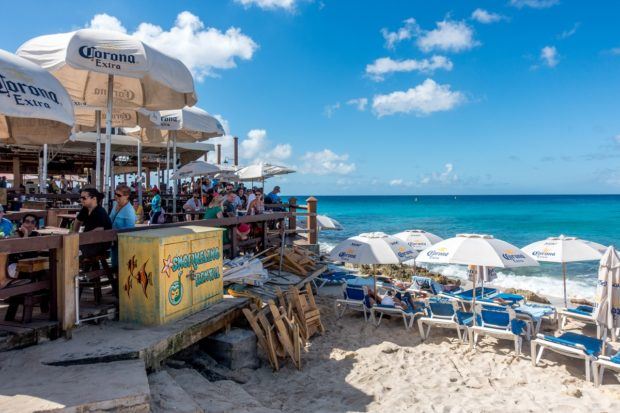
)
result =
(518, 219)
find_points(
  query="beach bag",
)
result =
(161, 219)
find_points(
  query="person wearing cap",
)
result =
(6, 226)
(243, 231)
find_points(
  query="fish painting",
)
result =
(145, 279)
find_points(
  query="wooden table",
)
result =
(54, 231)
(66, 219)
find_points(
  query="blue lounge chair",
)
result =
(334, 278)
(499, 322)
(603, 362)
(583, 313)
(446, 314)
(354, 298)
(569, 344)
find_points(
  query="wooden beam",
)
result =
(312, 226)
(68, 265)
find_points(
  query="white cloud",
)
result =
(360, 103)
(330, 110)
(226, 141)
(396, 182)
(385, 65)
(486, 17)
(409, 29)
(534, 4)
(549, 56)
(444, 177)
(448, 36)
(424, 99)
(106, 22)
(326, 162)
(256, 147)
(568, 33)
(203, 50)
(288, 5)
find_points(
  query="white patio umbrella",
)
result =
(563, 250)
(418, 239)
(480, 250)
(36, 109)
(196, 168)
(189, 124)
(373, 248)
(262, 171)
(607, 308)
(327, 223)
(106, 69)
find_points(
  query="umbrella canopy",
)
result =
(562, 250)
(86, 118)
(260, 171)
(373, 248)
(607, 311)
(327, 223)
(191, 124)
(418, 239)
(476, 249)
(196, 168)
(83, 59)
(36, 109)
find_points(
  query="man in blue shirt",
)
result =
(273, 198)
(6, 226)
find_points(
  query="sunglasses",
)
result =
(29, 221)
(84, 198)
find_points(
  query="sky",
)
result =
(390, 97)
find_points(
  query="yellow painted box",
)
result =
(169, 273)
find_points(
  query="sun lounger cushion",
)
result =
(500, 317)
(427, 283)
(464, 318)
(616, 358)
(536, 311)
(592, 345)
(356, 294)
(513, 298)
(582, 309)
(469, 294)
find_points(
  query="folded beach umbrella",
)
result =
(418, 239)
(35, 109)
(107, 69)
(562, 250)
(373, 248)
(480, 250)
(196, 168)
(607, 309)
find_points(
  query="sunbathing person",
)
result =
(390, 300)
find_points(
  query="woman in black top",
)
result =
(93, 217)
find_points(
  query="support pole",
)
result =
(17, 173)
(564, 279)
(44, 170)
(166, 176)
(236, 153)
(98, 150)
(108, 143)
(139, 176)
(312, 226)
(174, 171)
(219, 154)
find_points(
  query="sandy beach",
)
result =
(357, 367)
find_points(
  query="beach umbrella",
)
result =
(196, 168)
(107, 69)
(418, 239)
(563, 250)
(262, 171)
(327, 223)
(607, 308)
(189, 124)
(35, 108)
(371, 249)
(480, 250)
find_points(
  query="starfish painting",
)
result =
(167, 266)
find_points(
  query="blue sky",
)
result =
(391, 97)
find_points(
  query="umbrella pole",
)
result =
(374, 288)
(108, 142)
(98, 150)
(166, 176)
(43, 182)
(564, 279)
(139, 172)
(174, 171)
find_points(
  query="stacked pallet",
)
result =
(296, 260)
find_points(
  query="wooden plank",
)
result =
(68, 267)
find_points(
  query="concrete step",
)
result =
(217, 397)
(168, 396)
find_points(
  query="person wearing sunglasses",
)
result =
(92, 217)
(122, 215)
(28, 227)
(193, 204)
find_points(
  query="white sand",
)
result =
(358, 367)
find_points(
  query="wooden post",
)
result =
(313, 233)
(17, 175)
(68, 265)
(264, 238)
(236, 152)
(52, 218)
(234, 242)
(292, 209)
(147, 180)
(219, 154)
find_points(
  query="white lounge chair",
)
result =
(409, 315)
(569, 344)
(354, 298)
(603, 362)
(500, 322)
(445, 314)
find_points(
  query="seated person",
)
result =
(28, 227)
(139, 211)
(193, 204)
(230, 206)
(389, 300)
(273, 198)
(6, 226)
(93, 217)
